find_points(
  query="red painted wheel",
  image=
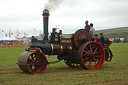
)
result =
(110, 55)
(81, 36)
(91, 55)
(27, 62)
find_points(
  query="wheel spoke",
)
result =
(86, 48)
(93, 47)
(86, 52)
(95, 51)
(31, 59)
(90, 63)
(85, 62)
(40, 60)
(95, 61)
(90, 48)
(85, 59)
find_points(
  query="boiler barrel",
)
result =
(60, 50)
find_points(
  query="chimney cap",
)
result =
(46, 11)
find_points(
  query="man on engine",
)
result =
(92, 32)
(87, 27)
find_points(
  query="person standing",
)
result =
(60, 32)
(87, 27)
(92, 31)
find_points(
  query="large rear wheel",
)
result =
(91, 55)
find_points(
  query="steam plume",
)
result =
(52, 4)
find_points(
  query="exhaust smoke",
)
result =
(52, 4)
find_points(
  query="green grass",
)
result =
(115, 32)
(111, 73)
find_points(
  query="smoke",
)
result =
(52, 4)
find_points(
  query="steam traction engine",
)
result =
(78, 50)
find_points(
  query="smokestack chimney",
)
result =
(45, 23)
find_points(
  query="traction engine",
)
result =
(78, 50)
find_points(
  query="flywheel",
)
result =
(81, 36)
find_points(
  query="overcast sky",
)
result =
(69, 14)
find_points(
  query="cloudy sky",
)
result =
(69, 14)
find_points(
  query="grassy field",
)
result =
(111, 73)
(115, 32)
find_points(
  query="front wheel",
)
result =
(28, 62)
